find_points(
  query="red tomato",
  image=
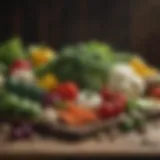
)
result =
(68, 90)
(120, 102)
(106, 94)
(155, 92)
(119, 107)
(120, 98)
(107, 110)
(114, 104)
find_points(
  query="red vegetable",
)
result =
(155, 92)
(107, 110)
(20, 64)
(68, 90)
(105, 94)
(119, 99)
(113, 106)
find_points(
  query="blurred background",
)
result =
(131, 25)
(126, 24)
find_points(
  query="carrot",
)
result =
(77, 115)
(67, 118)
(82, 113)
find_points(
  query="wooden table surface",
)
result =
(120, 144)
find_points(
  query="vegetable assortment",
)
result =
(84, 84)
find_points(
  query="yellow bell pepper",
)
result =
(41, 56)
(141, 68)
(48, 82)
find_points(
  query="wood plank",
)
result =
(145, 28)
(104, 146)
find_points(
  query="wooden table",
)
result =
(132, 144)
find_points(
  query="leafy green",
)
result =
(86, 64)
(11, 50)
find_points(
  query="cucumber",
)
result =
(30, 109)
(10, 104)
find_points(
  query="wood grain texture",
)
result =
(145, 29)
(60, 22)
(126, 24)
(123, 145)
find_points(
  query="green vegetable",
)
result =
(127, 125)
(85, 64)
(10, 104)
(139, 118)
(86, 72)
(13, 106)
(131, 105)
(3, 68)
(30, 109)
(11, 50)
(23, 89)
(12, 84)
(44, 69)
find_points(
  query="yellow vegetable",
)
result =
(41, 56)
(137, 62)
(142, 69)
(48, 82)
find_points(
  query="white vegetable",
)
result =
(123, 79)
(24, 75)
(49, 115)
(148, 103)
(89, 99)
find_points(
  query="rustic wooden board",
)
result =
(75, 133)
(81, 132)
(133, 143)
